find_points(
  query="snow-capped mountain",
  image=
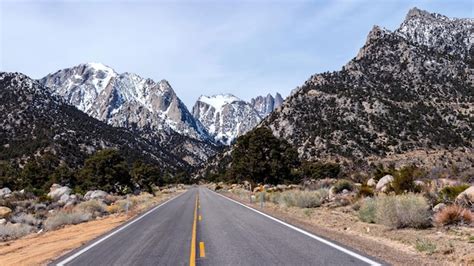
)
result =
(124, 100)
(266, 105)
(33, 122)
(142, 105)
(226, 117)
(453, 36)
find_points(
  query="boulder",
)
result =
(96, 194)
(384, 183)
(419, 183)
(5, 211)
(371, 182)
(438, 207)
(466, 198)
(3, 221)
(5, 192)
(57, 191)
(64, 199)
(282, 187)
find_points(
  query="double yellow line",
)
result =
(202, 252)
(192, 256)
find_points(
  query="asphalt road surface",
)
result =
(201, 227)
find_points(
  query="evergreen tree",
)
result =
(260, 157)
(145, 176)
(106, 170)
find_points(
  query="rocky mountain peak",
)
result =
(124, 100)
(226, 116)
(445, 35)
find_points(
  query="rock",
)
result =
(5, 192)
(5, 212)
(371, 182)
(64, 198)
(40, 206)
(282, 187)
(419, 183)
(466, 198)
(383, 183)
(99, 194)
(3, 221)
(345, 191)
(439, 207)
(57, 191)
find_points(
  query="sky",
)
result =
(246, 48)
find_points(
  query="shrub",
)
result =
(343, 184)
(454, 215)
(449, 193)
(425, 246)
(66, 217)
(92, 206)
(367, 210)
(12, 231)
(302, 199)
(408, 210)
(26, 218)
(404, 180)
(365, 191)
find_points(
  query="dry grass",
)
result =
(454, 215)
(92, 207)
(408, 210)
(62, 218)
(12, 231)
(26, 218)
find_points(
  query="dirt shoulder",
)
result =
(397, 247)
(39, 249)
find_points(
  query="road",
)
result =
(201, 227)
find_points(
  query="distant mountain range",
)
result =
(137, 107)
(226, 117)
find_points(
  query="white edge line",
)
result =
(80, 252)
(351, 253)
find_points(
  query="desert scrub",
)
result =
(365, 191)
(61, 218)
(93, 207)
(367, 210)
(343, 184)
(26, 218)
(425, 246)
(454, 215)
(449, 193)
(303, 199)
(397, 211)
(12, 231)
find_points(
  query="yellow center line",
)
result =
(192, 256)
(200, 217)
(202, 250)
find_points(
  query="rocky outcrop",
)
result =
(384, 183)
(406, 90)
(466, 198)
(227, 117)
(58, 192)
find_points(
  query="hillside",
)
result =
(405, 91)
(34, 122)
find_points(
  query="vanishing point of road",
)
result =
(201, 227)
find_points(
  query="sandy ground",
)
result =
(39, 249)
(454, 245)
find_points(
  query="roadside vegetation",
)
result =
(45, 194)
(402, 197)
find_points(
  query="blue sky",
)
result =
(246, 48)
